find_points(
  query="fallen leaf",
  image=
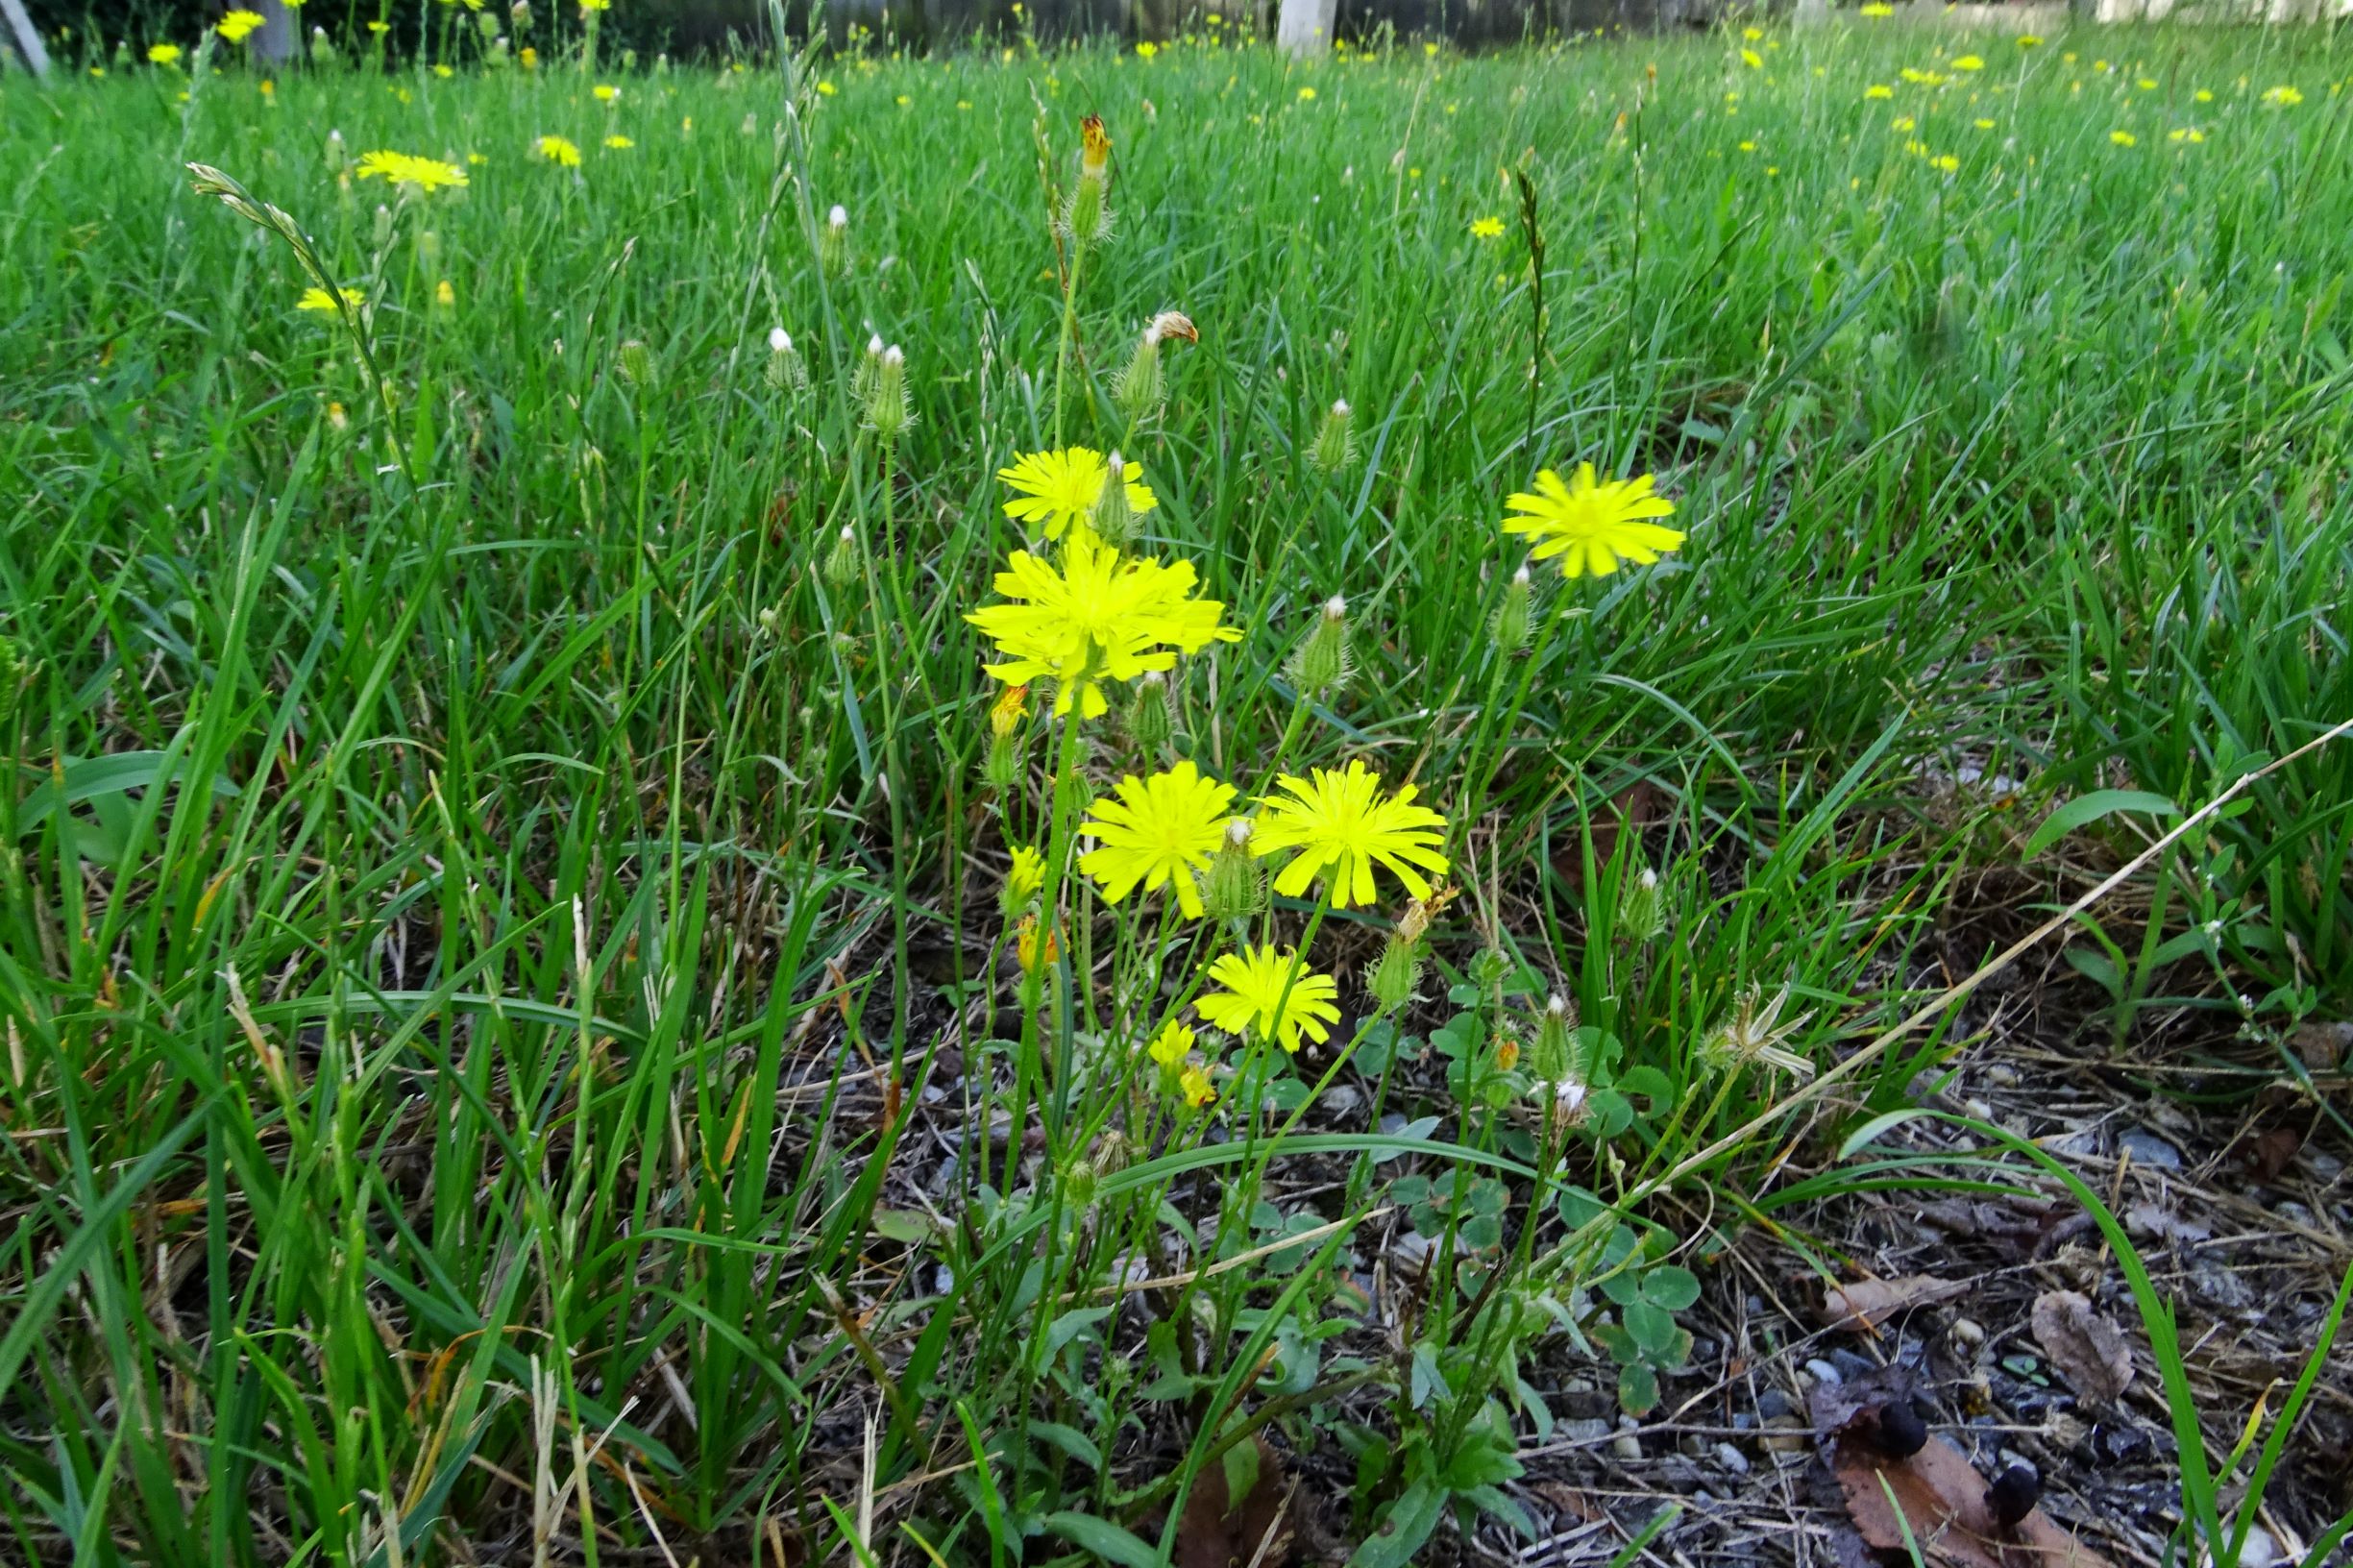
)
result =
(2090, 1352)
(1941, 1497)
(1237, 1504)
(2269, 1153)
(1862, 1306)
(2151, 1222)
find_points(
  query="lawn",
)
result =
(597, 968)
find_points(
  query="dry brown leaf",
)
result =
(1941, 1497)
(2154, 1222)
(2089, 1351)
(1219, 1531)
(1866, 1302)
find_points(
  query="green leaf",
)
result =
(1070, 1325)
(1637, 1389)
(1102, 1537)
(1653, 1328)
(1670, 1286)
(1070, 1441)
(1403, 1528)
(114, 773)
(2090, 808)
(1241, 1469)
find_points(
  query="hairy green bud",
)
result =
(1147, 719)
(1513, 614)
(1336, 442)
(1321, 662)
(1235, 888)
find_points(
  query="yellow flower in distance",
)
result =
(1158, 831)
(1593, 525)
(557, 149)
(1097, 618)
(444, 294)
(1340, 825)
(1273, 994)
(2123, 139)
(1968, 62)
(2285, 96)
(619, 143)
(1878, 8)
(164, 53)
(604, 92)
(1056, 489)
(1171, 1046)
(318, 298)
(403, 169)
(1878, 89)
(1486, 228)
(238, 25)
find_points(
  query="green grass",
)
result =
(482, 1033)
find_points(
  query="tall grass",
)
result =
(498, 940)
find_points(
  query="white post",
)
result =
(1305, 26)
(26, 36)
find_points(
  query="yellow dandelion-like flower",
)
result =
(1005, 713)
(1945, 163)
(1984, 124)
(2285, 97)
(619, 143)
(2123, 139)
(1057, 489)
(1968, 62)
(604, 92)
(1171, 1046)
(1752, 60)
(558, 149)
(1160, 831)
(2030, 40)
(528, 57)
(1593, 525)
(1486, 228)
(1273, 994)
(1307, 95)
(164, 53)
(2204, 95)
(238, 25)
(1193, 1083)
(1878, 89)
(444, 294)
(1879, 8)
(1146, 49)
(405, 169)
(1028, 951)
(826, 89)
(318, 298)
(1097, 618)
(1025, 878)
(1340, 826)
(596, 5)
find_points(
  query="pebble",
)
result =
(1583, 1432)
(1691, 1445)
(1786, 1436)
(1342, 1099)
(1978, 1109)
(1627, 1446)
(1772, 1404)
(1967, 1330)
(2147, 1148)
(1852, 1365)
(2260, 1550)
(1732, 1458)
(1821, 1371)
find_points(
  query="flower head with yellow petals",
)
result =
(1593, 525)
(1340, 825)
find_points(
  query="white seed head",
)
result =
(1649, 878)
(1340, 409)
(839, 217)
(874, 346)
(849, 535)
(779, 340)
(893, 357)
(1556, 1005)
(1335, 608)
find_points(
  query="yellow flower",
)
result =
(164, 53)
(1968, 62)
(477, 160)
(827, 88)
(2123, 139)
(1903, 122)
(2146, 84)
(2030, 40)
(604, 92)
(619, 143)
(1171, 1046)
(1878, 89)
(405, 169)
(1486, 228)
(1751, 33)
(1146, 49)
(1747, 146)
(1752, 60)
(2285, 96)
(1057, 489)
(444, 294)
(318, 298)
(1307, 95)
(596, 5)
(1097, 618)
(1158, 831)
(1005, 713)
(1194, 1084)
(238, 25)
(558, 149)
(1984, 124)
(1878, 8)
(2203, 95)
(444, 72)
(1025, 945)
(1025, 878)
(528, 57)
(1272, 994)
(1592, 525)
(1946, 162)
(1341, 827)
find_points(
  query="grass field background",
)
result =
(493, 956)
